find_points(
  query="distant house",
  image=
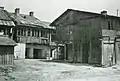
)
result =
(89, 37)
(32, 36)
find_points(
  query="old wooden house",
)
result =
(32, 36)
(6, 42)
(89, 37)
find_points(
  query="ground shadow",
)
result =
(70, 63)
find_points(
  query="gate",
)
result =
(6, 58)
(107, 52)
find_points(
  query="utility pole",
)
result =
(117, 12)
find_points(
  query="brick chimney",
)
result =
(1, 8)
(104, 13)
(17, 11)
(31, 13)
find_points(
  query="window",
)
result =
(32, 32)
(24, 32)
(28, 32)
(18, 31)
(36, 35)
(118, 23)
(110, 27)
(44, 41)
(119, 50)
(8, 31)
(43, 34)
(69, 30)
(2, 31)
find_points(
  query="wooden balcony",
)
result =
(29, 39)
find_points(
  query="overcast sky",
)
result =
(48, 10)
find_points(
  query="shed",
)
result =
(6, 51)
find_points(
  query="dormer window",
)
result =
(28, 32)
(118, 22)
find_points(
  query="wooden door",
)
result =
(107, 50)
(79, 53)
(117, 48)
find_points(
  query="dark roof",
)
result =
(5, 18)
(92, 13)
(25, 20)
(6, 41)
(47, 25)
(68, 10)
(31, 21)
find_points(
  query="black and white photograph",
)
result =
(59, 40)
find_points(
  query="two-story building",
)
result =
(32, 35)
(89, 37)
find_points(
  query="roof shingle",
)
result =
(26, 20)
(5, 19)
(6, 41)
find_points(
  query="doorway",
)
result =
(27, 53)
(108, 49)
(37, 54)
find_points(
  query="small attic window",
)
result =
(110, 25)
(24, 17)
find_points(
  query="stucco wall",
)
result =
(45, 50)
(19, 51)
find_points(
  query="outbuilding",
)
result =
(6, 51)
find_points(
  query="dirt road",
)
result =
(36, 70)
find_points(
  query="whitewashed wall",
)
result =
(19, 51)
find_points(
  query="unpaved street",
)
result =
(36, 70)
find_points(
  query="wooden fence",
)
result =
(6, 58)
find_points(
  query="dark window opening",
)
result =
(6, 30)
(21, 31)
(18, 31)
(28, 32)
(44, 41)
(110, 27)
(38, 33)
(24, 16)
(43, 34)
(24, 32)
(33, 32)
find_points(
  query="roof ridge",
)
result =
(91, 12)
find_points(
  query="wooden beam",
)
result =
(65, 52)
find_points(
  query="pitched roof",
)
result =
(25, 20)
(6, 41)
(47, 25)
(5, 19)
(69, 10)
(31, 21)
